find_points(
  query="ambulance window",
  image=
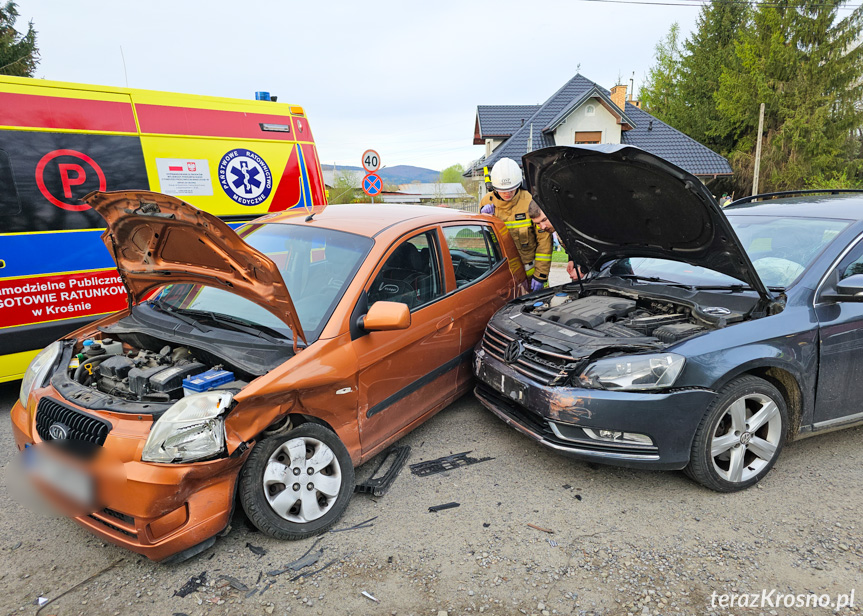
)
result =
(9, 203)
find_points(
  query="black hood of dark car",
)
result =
(614, 201)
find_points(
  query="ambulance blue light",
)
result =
(262, 96)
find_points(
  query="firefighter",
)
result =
(509, 203)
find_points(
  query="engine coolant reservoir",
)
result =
(558, 299)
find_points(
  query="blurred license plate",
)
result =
(67, 479)
(506, 385)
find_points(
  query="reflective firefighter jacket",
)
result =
(534, 246)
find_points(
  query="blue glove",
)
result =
(487, 209)
(536, 285)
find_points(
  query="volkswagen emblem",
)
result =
(58, 431)
(513, 351)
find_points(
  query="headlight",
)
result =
(634, 372)
(37, 372)
(190, 430)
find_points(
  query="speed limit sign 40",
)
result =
(371, 161)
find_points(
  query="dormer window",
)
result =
(590, 110)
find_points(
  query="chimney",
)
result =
(618, 96)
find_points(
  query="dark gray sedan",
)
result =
(701, 339)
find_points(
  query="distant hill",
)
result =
(398, 174)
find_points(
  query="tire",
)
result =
(297, 484)
(730, 452)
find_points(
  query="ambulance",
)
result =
(237, 159)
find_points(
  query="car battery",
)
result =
(206, 381)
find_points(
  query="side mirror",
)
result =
(386, 316)
(848, 290)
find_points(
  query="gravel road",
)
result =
(621, 541)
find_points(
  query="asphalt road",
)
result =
(623, 541)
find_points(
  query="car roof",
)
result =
(845, 206)
(370, 219)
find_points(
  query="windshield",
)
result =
(316, 264)
(780, 250)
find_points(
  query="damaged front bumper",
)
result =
(157, 510)
(569, 419)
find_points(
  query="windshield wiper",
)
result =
(241, 325)
(735, 288)
(652, 279)
(162, 307)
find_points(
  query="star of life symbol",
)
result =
(245, 177)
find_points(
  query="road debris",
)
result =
(368, 596)
(234, 582)
(447, 463)
(306, 560)
(40, 601)
(393, 460)
(545, 530)
(436, 508)
(365, 524)
(255, 549)
(192, 585)
(316, 571)
(81, 583)
(552, 543)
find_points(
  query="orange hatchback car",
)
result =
(261, 365)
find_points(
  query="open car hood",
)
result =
(613, 201)
(157, 240)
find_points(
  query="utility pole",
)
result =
(758, 151)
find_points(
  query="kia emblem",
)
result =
(58, 431)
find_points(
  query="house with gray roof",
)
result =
(583, 112)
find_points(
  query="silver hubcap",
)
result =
(302, 479)
(746, 438)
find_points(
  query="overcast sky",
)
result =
(402, 77)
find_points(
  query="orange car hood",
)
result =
(157, 239)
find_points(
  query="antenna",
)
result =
(123, 56)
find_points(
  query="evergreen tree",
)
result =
(705, 54)
(18, 53)
(805, 64)
(660, 92)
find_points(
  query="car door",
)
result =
(405, 374)
(483, 281)
(840, 372)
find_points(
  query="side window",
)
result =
(9, 203)
(411, 274)
(474, 251)
(852, 263)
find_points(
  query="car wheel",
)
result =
(297, 484)
(740, 436)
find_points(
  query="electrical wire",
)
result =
(776, 5)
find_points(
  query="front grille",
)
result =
(542, 366)
(113, 527)
(80, 426)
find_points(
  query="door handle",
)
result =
(444, 325)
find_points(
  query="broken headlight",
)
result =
(192, 429)
(633, 372)
(38, 372)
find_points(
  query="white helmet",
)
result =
(506, 175)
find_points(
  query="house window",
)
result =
(591, 136)
(590, 110)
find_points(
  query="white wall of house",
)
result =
(491, 145)
(582, 120)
